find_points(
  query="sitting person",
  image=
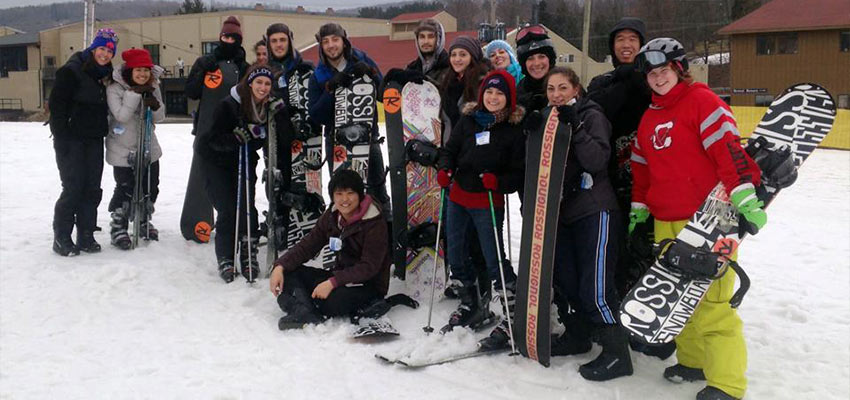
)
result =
(355, 230)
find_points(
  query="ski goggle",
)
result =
(533, 29)
(537, 44)
(651, 59)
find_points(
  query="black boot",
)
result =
(226, 270)
(148, 231)
(474, 310)
(250, 267)
(500, 337)
(575, 339)
(713, 393)
(680, 373)
(614, 361)
(662, 351)
(118, 230)
(64, 246)
(86, 242)
(299, 308)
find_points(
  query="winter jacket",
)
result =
(125, 113)
(197, 76)
(364, 257)
(686, 143)
(321, 102)
(589, 151)
(503, 156)
(219, 144)
(283, 71)
(439, 67)
(77, 103)
(453, 101)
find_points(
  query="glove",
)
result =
(303, 68)
(151, 101)
(444, 178)
(142, 89)
(750, 207)
(361, 68)
(402, 76)
(339, 80)
(532, 121)
(638, 215)
(568, 115)
(207, 64)
(538, 101)
(277, 105)
(490, 181)
(242, 135)
(629, 73)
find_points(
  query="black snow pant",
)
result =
(80, 162)
(222, 190)
(342, 302)
(585, 258)
(125, 183)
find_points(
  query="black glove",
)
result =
(150, 100)
(361, 68)
(403, 76)
(629, 73)
(142, 89)
(207, 64)
(303, 68)
(341, 79)
(538, 101)
(568, 115)
(532, 121)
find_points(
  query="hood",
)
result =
(157, 72)
(235, 94)
(427, 65)
(635, 24)
(514, 119)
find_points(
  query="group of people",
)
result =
(647, 142)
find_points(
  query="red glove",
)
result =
(444, 178)
(490, 181)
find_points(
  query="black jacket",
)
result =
(195, 80)
(531, 94)
(590, 150)
(437, 70)
(78, 107)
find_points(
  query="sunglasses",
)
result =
(533, 29)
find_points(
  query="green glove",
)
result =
(638, 215)
(750, 207)
(242, 134)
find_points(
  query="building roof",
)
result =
(792, 15)
(411, 17)
(387, 53)
(19, 39)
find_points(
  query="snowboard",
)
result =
(661, 303)
(355, 110)
(273, 184)
(546, 161)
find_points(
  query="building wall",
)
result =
(817, 60)
(404, 30)
(25, 85)
(563, 51)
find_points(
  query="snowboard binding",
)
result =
(422, 152)
(779, 169)
(696, 263)
(303, 201)
(421, 236)
(353, 134)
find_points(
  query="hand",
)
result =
(490, 181)
(341, 79)
(323, 290)
(361, 68)
(444, 178)
(568, 115)
(242, 134)
(207, 64)
(277, 105)
(638, 215)
(303, 68)
(532, 121)
(151, 101)
(538, 101)
(624, 72)
(750, 207)
(142, 89)
(276, 280)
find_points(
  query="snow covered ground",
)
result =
(158, 323)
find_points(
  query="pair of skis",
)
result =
(141, 205)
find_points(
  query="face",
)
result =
(427, 41)
(559, 90)
(141, 75)
(262, 55)
(102, 55)
(261, 86)
(346, 201)
(626, 46)
(332, 46)
(279, 43)
(227, 39)
(460, 59)
(662, 79)
(537, 65)
(500, 59)
(494, 99)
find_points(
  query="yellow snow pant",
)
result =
(712, 339)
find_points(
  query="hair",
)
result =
(568, 72)
(261, 42)
(471, 79)
(681, 73)
(347, 179)
(244, 91)
(127, 75)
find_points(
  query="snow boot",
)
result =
(713, 393)
(575, 339)
(250, 268)
(118, 230)
(64, 246)
(614, 361)
(680, 373)
(299, 308)
(148, 230)
(474, 310)
(500, 337)
(226, 270)
(86, 242)
(662, 351)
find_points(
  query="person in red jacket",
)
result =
(688, 142)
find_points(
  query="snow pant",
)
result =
(125, 181)
(459, 222)
(343, 301)
(586, 253)
(223, 185)
(713, 338)
(80, 163)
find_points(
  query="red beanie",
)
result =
(137, 58)
(231, 26)
(502, 80)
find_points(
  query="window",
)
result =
(763, 100)
(49, 61)
(783, 43)
(208, 47)
(786, 43)
(12, 58)
(844, 101)
(765, 45)
(154, 50)
(844, 41)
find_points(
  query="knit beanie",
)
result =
(137, 58)
(504, 82)
(260, 71)
(105, 37)
(231, 26)
(500, 44)
(471, 45)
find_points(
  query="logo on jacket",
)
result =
(212, 79)
(661, 138)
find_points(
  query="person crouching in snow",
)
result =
(354, 228)
(687, 142)
(134, 87)
(484, 155)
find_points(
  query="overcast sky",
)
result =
(310, 4)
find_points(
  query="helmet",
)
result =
(532, 40)
(660, 51)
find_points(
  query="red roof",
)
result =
(793, 15)
(415, 16)
(387, 53)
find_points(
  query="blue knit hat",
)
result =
(105, 37)
(514, 68)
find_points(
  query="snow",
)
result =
(157, 322)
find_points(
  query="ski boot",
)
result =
(500, 337)
(713, 393)
(86, 242)
(226, 270)
(118, 230)
(680, 373)
(614, 361)
(64, 246)
(250, 268)
(474, 310)
(299, 308)
(575, 339)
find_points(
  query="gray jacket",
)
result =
(124, 112)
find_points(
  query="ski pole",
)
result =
(429, 329)
(508, 217)
(248, 211)
(148, 134)
(502, 272)
(238, 204)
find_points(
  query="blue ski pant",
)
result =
(461, 222)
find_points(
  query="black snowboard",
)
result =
(545, 164)
(398, 175)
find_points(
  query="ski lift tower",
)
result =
(88, 22)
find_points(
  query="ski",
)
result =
(406, 362)
(141, 165)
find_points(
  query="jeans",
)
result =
(460, 221)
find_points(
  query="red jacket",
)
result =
(686, 143)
